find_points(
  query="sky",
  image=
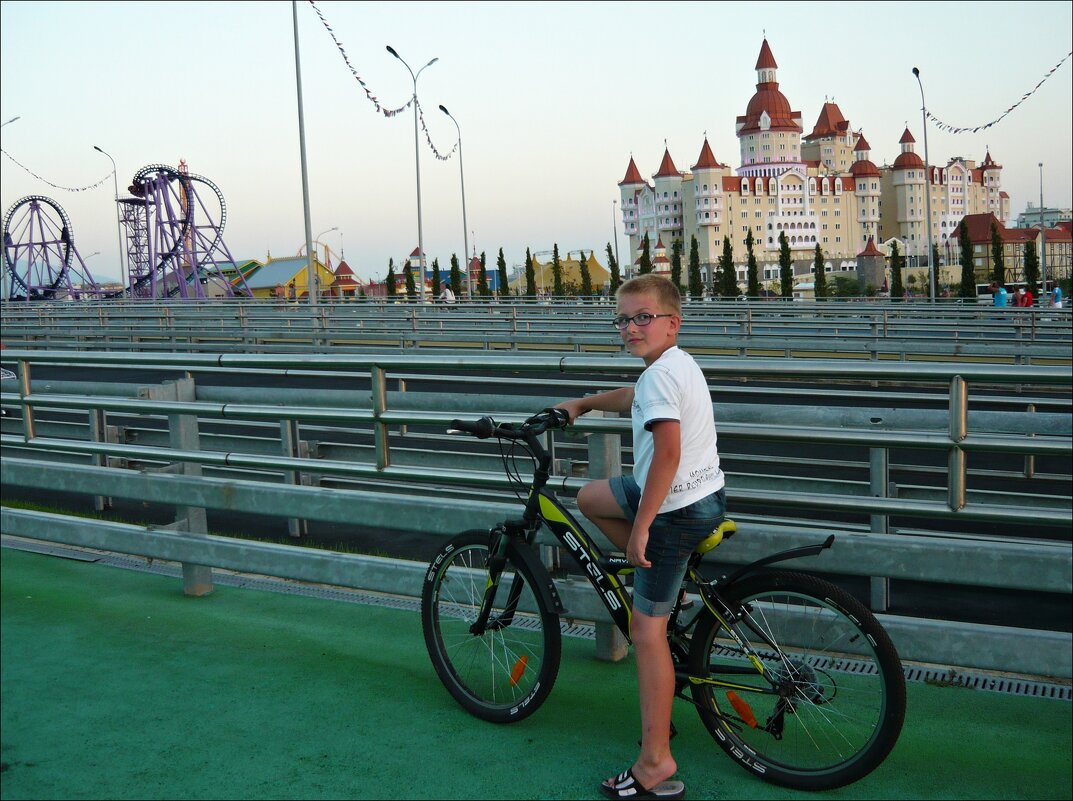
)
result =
(551, 99)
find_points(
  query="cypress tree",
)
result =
(530, 276)
(456, 276)
(586, 278)
(501, 268)
(389, 282)
(411, 288)
(482, 279)
(1032, 268)
(644, 266)
(968, 273)
(897, 290)
(612, 266)
(556, 272)
(752, 276)
(436, 278)
(696, 284)
(820, 282)
(786, 267)
(728, 278)
(998, 261)
(676, 264)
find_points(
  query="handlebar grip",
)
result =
(481, 429)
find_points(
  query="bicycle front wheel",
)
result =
(504, 673)
(827, 706)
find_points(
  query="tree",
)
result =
(501, 268)
(844, 287)
(786, 267)
(968, 273)
(530, 276)
(896, 263)
(612, 265)
(676, 264)
(998, 261)
(1031, 267)
(436, 278)
(556, 272)
(728, 275)
(586, 278)
(389, 282)
(482, 279)
(696, 284)
(411, 288)
(456, 276)
(752, 276)
(820, 281)
(644, 265)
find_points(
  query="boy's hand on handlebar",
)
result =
(573, 408)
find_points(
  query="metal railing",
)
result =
(436, 500)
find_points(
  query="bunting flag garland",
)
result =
(952, 129)
(57, 186)
(372, 98)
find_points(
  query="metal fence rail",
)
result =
(433, 499)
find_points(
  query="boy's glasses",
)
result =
(622, 322)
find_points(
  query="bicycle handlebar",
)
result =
(486, 427)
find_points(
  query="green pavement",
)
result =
(115, 686)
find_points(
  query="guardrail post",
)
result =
(959, 425)
(1030, 459)
(293, 447)
(380, 432)
(605, 460)
(878, 478)
(98, 432)
(183, 430)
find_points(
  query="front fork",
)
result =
(498, 543)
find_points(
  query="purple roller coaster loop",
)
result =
(40, 258)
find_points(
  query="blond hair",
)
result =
(665, 293)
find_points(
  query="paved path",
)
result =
(115, 685)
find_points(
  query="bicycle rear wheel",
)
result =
(830, 703)
(505, 673)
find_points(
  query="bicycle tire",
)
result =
(840, 683)
(505, 674)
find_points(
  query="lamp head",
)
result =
(391, 50)
(433, 61)
(97, 149)
(445, 111)
(916, 72)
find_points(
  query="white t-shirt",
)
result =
(674, 388)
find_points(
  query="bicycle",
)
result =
(792, 676)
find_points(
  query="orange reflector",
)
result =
(518, 669)
(742, 708)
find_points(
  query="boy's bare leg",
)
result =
(598, 504)
(655, 683)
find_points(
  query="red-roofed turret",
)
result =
(666, 167)
(633, 175)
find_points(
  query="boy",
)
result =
(671, 503)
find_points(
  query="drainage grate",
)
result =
(946, 677)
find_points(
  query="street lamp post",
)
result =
(119, 219)
(417, 161)
(465, 228)
(927, 184)
(614, 229)
(1042, 241)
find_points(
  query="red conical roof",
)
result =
(906, 137)
(862, 144)
(633, 175)
(707, 158)
(766, 61)
(870, 249)
(666, 167)
(830, 122)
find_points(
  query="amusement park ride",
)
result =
(173, 223)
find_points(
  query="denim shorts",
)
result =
(671, 539)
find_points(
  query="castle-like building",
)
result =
(821, 188)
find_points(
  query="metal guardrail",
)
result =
(435, 500)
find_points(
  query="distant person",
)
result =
(292, 292)
(1018, 295)
(1027, 299)
(1056, 297)
(447, 295)
(999, 295)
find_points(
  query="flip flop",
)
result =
(626, 786)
